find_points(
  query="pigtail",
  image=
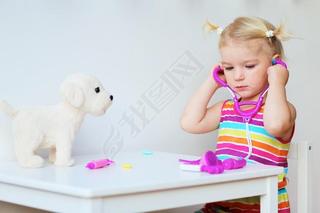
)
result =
(281, 34)
(247, 28)
(211, 27)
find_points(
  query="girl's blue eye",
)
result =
(250, 66)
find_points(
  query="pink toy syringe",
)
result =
(96, 164)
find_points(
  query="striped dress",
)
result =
(232, 142)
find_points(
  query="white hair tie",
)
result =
(269, 34)
(219, 30)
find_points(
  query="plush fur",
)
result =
(54, 127)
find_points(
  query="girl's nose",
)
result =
(239, 75)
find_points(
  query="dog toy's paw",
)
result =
(52, 158)
(71, 162)
(33, 162)
(64, 163)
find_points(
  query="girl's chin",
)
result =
(249, 97)
(246, 96)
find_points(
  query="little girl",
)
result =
(247, 47)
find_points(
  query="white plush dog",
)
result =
(54, 127)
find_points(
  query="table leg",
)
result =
(269, 201)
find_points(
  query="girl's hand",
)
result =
(277, 74)
(198, 116)
(221, 76)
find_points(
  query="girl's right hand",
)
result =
(198, 117)
(277, 74)
(221, 76)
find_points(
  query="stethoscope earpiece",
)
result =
(279, 61)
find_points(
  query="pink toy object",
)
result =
(97, 164)
(231, 163)
(211, 164)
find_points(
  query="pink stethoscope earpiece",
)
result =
(277, 60)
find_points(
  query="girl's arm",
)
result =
(279, 114)
(197, 118)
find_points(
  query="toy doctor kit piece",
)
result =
(97, 164)
(211, 164)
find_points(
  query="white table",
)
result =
(155, 182)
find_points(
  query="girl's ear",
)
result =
(275, 56)
(72, 94)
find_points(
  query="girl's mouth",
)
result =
(241, 88)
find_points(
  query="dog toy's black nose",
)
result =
(111, 97)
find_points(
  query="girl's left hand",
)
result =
(278, 74)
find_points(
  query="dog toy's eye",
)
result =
(97, 89)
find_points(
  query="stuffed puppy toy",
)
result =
(54, 127)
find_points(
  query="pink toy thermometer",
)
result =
(96, 164)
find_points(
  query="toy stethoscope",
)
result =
(211, 164)
(247, 114)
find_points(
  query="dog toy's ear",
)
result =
(72, 93)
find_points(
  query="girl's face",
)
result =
(245, 65)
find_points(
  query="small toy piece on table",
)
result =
(147, 152)
(97, 164)
(126, 166)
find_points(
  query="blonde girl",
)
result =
(247, 47)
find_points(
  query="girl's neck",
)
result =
(255, 99)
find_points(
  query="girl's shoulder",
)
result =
(229, 103)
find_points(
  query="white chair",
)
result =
(299, 177)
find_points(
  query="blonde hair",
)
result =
(247, 28)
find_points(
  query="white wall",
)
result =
(137, 49)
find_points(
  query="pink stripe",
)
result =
(240, 120)
(269, 156)
(284, 210)
(257, 152)
(231, 111)
(225, 144)
(257, 117)
(252, 157)
(267, 162)
(231, 152)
